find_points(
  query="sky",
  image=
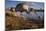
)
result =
(36, 5)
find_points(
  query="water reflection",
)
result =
(31, 15)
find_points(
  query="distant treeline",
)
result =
(40, 10)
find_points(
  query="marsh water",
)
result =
(31, 15)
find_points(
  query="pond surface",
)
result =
(31, 15)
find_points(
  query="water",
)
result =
(31, 15)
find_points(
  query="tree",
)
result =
(19, 6)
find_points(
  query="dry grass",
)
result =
(16, 22)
